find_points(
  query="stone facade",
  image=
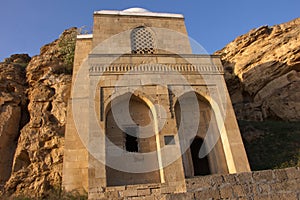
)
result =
(141, 112)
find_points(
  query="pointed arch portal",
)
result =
(214, 162)
(133, 138)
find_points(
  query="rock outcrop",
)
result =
(262, 71)
(13, 102)
(37, 163)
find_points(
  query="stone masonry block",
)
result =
(230, 178)
(182, 196)
(247, 188)
(280, 174)
(112, 195)
(130, 193)
(293, 173)
(198, 184)
(142, 198)
(260, 197)
(207, 194)
(245, 177)
(167, 190)
(143, 192)
(216, 180)
(262, 189)
(238, 191)
(116, 188)
(263, 176)
(282, 186)
(294, 185)
(155, 191)
(283, 196)
(226, 192)
(97, 196)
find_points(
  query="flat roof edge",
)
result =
(85, 36)
(148, 14)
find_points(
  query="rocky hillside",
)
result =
(262, 71)
(31, 146)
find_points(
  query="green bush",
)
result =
(67, 50)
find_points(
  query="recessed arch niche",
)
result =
(192, 139)
(132, 138)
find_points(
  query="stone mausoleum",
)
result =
(146, 112)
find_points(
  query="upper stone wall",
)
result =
(110, 37)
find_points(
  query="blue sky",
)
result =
(28, 25)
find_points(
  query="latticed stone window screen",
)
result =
(142, 41)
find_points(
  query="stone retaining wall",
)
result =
(269, 184)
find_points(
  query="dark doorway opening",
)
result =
(131, 141)
(201, 166)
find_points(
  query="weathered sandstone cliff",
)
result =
(13, 103)
(32, 157)
(262, 71)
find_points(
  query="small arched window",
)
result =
(142, 41)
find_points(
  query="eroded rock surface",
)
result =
(262, 71)
(12, 109)
(37, 162)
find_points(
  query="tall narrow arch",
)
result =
(142, 41)
(132, 140)
(214, 162)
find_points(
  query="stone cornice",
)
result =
(154, 68)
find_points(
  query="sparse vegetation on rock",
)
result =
(66, 49)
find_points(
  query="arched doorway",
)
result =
(201, 165)
(131, 136)
(191, 139)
